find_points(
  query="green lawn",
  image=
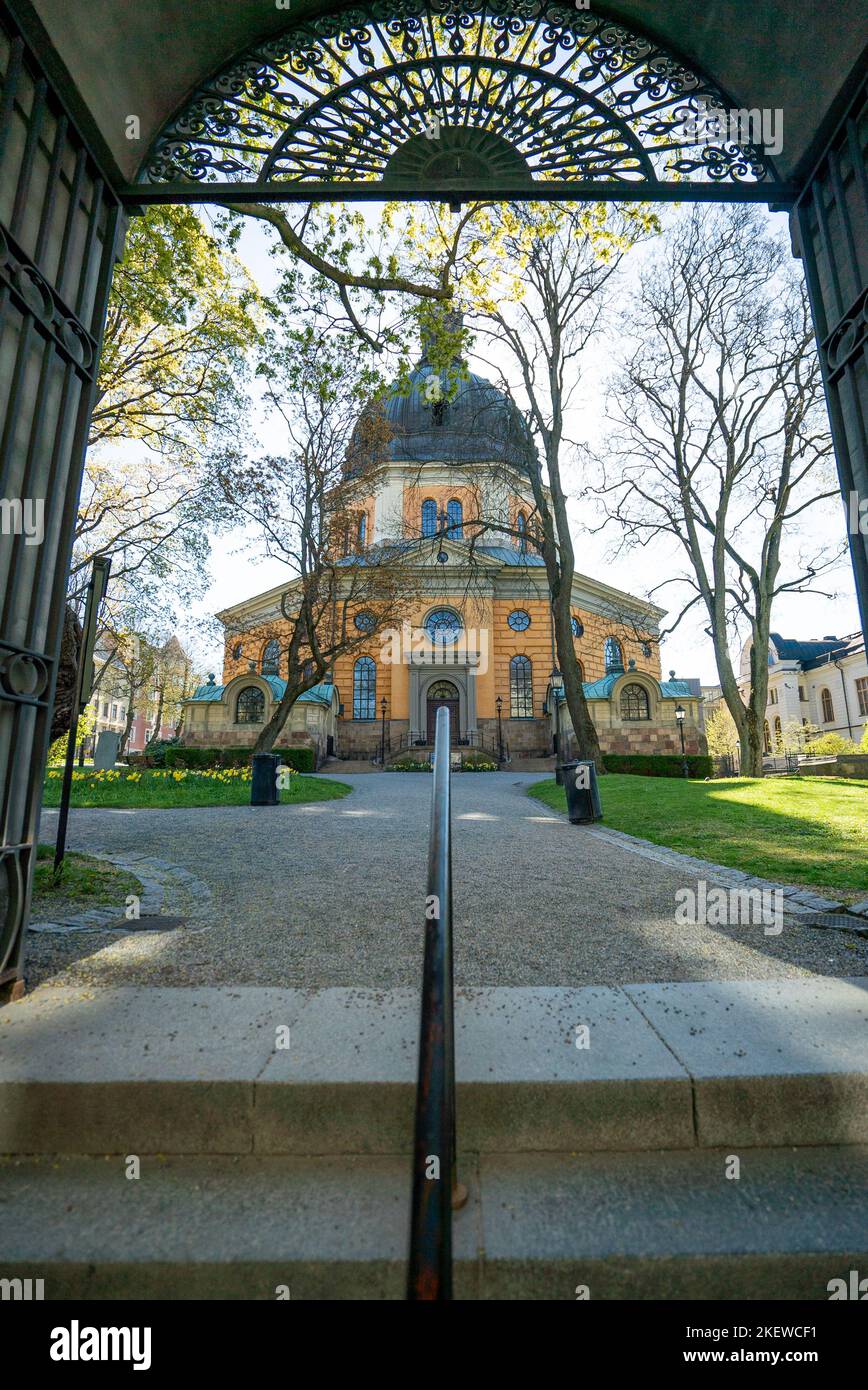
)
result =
(801, 830)
(83, 882)
(155, 788)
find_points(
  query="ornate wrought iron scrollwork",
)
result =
(335, 98)
(41, 302)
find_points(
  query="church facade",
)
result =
(475, 633)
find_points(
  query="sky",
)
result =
(237, 570)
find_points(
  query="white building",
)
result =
(820, 681)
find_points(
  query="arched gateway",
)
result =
(108, 107)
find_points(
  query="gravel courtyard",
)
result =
(333, 894)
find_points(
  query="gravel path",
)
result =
(332, 893)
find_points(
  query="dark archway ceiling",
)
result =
(146, 60)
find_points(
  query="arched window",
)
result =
(250, 708)
(307, 670)
(365, 688)
(455, 518)
(237, 650)
(634, 702)
(521, 528)
(767, 737)
(363, 529)
(613, 656)
(779, 735)
(828, 707)
(581, 671)
(429, 517)
(520, 688)
(271, 658)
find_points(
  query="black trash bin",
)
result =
(263, 789)
(583, 793)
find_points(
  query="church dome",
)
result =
(439, 420)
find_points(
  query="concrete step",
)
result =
(208, 1071)
(347, 765)
(665, 1225)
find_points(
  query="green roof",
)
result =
(602, 689)
(317, 695)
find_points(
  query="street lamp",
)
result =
(556, 681)
(679, 715)
(383, 704)
(499, 703)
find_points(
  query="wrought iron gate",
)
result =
(59, 224)
(831, 236)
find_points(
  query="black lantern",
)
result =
(556, 681)
(679, 715)
(383, 703)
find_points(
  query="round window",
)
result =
(443, 626)
(365, 622)
(519, 620)
(577, 627)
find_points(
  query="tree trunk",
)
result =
(67, 674)
(158, 718)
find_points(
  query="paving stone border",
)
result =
(797, 901)
(164, 885)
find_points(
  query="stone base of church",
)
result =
(651, 740)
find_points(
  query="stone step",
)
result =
(207, 1070)
(666, 1225)
(347, 765)
(532, 764)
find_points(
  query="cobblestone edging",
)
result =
(796, 900)
(166, 887)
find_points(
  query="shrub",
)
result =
(299, 759)
(829, 744)
(658, 764)
(154, 754)
(409, 765)
(477, 765)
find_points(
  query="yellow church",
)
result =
(477, 634)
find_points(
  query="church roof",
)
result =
(602, 689)
(472, 422)
(317, 695)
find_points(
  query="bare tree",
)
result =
(721, 442)
(309, 506)
(566, 266)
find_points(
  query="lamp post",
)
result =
(383, 704)
(557, 684)
(679, 715)
(499, 703)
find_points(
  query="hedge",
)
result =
(154, 754)
(658, 764)
(301, 759)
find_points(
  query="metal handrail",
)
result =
(436, 1190)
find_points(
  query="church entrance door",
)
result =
(443, 693)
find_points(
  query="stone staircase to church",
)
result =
(230, 1143)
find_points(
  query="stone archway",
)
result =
(621, 99)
